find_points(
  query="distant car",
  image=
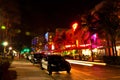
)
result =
(30, 57)
(36, 58)
(55, 63)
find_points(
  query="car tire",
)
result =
(41, 66)
(68, 71)
(68, 68)
(49, 70)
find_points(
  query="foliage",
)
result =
(104, 20)
(11, 18)
(4, 65)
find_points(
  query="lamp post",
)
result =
(5, 43)
(10, 48)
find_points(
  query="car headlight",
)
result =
(35, 59)
(53, 65)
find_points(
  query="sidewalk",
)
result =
(25, 70)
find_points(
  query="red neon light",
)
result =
(75, 26)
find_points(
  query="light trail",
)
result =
(79, 63)
(86, 63)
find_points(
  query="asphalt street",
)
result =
(22, 69)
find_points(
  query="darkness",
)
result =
(40, 16)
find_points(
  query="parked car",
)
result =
(30, 57)
(55, 63)
(36, 58)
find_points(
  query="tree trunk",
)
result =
(108, 46)
(91, 50)
(112, 43)
(115, 48)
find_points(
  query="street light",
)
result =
(5, 43)
(10, 48)
(3, 27)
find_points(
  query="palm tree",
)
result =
(108, 22)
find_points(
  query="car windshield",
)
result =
(38, 56)
(56, 58)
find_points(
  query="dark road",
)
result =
(80, 72)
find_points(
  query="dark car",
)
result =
(36, 58)
(55, 63)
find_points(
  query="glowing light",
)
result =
(78, 62)
(86, 52)
(75, 26)
(84, 45)
(3, 27)
(77, 43)
(50, 36)
(14, 51)
(10, 48)
(95, 63)
(53, 47)
(86, 63)
(99, 46)
(94, 50)
(18, 31)
(94, 37)
(46, 36)
(119, 16)
(27, 33)
(5, 43)
(68, 46)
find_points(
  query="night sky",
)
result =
(40, 16)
